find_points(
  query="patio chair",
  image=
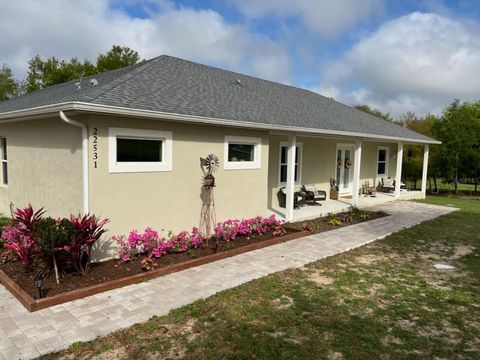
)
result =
(368, 190)
(388, 184)
(298, 198)
(313, 194)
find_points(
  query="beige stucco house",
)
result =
(126, 145)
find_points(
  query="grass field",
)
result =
(384, 300)
(445, 187)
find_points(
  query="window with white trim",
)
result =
(139, 150)
(242, 152)
(283, 160)
(382, 160)
(3, 145)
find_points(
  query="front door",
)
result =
(344, 169)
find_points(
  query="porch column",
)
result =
(356, 171)
(425, 169)
(290, 189)
(398, 177)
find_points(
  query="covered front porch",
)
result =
(300, 160)
(307, 212)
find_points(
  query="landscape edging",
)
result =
(32, 304)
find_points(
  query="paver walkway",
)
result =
(26, 335)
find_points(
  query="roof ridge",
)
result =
(240, 74)
(118, 81)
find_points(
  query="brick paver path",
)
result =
(26, 335)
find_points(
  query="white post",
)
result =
(398, 177)
(356, 171)
(290, 189)
(425, 169)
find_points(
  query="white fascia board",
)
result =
(116, 110)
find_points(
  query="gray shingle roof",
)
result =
(173, 85)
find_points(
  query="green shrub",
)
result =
(53, 235)
(353, 211)
(5, 221)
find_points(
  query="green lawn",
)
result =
(466, 189)
(383, 300)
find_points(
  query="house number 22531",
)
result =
(95, 148)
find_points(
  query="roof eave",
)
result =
(32, 113)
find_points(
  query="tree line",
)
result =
(51, 71)
(457, 159)
(458, 127)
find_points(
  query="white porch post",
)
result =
(398, 177)
(356, 171)
(425, 169)
(290, 189)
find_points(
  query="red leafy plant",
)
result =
(32, 237)
(19, 237)
(88, 229)
(27, 217)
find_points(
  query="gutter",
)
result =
(21, 115)
(84, 157)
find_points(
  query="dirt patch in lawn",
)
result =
(320, 279)
(283, 302)
(368, 259)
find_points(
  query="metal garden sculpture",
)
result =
(209, 165)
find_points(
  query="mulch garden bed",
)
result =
(321, 224)
(112, 274)
(115, 269)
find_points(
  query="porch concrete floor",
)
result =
(308, 212)
(27, 335)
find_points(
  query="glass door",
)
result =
(344, 169)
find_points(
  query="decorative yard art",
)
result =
(209, 166)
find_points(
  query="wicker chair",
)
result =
(298, 198)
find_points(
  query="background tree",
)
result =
(459, 130)
(9, 87)
(51, 71)
(117, 57)
(373, 111)
(412, 165)
(43, 73)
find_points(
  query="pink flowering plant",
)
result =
(230, 229)
(148, 264)
(153, 246)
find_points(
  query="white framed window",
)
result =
(3, 146)
(383, 155)
(242, 152)
(283, 159)
(139, 150)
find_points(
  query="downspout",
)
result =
(84, 157)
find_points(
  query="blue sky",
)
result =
(395, 55)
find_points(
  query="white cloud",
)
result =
(419, 62)
(326, 17)
(66, 28)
